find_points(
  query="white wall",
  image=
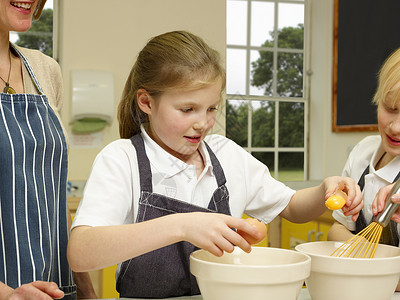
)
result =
(108, 34)
(328, 150)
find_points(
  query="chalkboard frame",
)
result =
(336, 127)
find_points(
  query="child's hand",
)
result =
(213, 232)
(380, 200)
(354, 202)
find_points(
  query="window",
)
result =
(267, 97)
(40, 35)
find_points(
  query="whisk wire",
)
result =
(366, 241)
(363, 244)
(372, 240)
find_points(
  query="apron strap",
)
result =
(28, 67)
(218, 171)
(146, 183)
(361, 181)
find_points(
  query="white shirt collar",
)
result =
(169, 164)
(388, 172)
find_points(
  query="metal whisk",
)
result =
(364, 244)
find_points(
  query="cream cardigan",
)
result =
(48, 73)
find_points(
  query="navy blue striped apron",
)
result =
(33, 179)
(165, 272)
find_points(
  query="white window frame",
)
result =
(277, 99)
(56, 29)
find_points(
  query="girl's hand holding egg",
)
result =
(260, 226)
(336, 200)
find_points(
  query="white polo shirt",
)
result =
(367, 153)
(112, 191)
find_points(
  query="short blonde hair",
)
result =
(176, 60)
(389, 79)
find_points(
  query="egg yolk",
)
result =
(335, 202)
(260, 226)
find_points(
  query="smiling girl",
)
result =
(169, 187)
(375, 161)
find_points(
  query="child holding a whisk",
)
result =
(375, 161)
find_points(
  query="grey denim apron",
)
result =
(33, 179)
(389, 236)
(165, 272)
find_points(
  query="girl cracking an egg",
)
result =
(168, 187)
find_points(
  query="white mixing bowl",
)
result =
(341, 278)
(264, 273)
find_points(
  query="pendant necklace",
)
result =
(8, 89)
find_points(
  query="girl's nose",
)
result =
(201, 122)
(394, 125)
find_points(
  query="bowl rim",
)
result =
(298, 247)
(307, 259)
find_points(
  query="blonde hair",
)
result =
(170, 61)
(389, 80)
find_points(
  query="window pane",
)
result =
(261, 73)
(236, 22)
(291, 166)
(290, 75)
(271, 66)
(291, 124)
(263, 123)
(237, 115)
(291, 37)
(236, 71)
(267, 158)
(290, 16)
(262, 23)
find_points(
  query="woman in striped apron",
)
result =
(33, 163)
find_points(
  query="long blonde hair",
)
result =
(170, 61)
(389, 79)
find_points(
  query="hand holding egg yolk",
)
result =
(260, 226)
(337, 200)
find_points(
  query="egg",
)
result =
(336, 201)
(260, 226)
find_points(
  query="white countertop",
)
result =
(304, 295)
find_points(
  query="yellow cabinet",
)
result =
(293, 234)
(109, 283)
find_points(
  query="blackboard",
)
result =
(365, 33)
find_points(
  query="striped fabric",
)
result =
(33, 178)
(33, 162)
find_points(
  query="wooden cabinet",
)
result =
(293, 234)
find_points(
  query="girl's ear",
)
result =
(144, 101)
